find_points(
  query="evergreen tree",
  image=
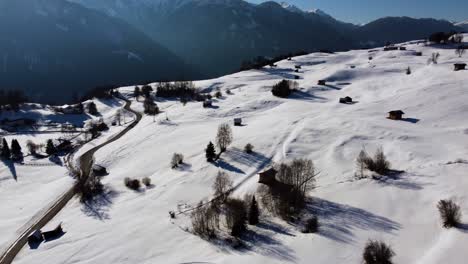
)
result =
(253, 212)
(92, 109)
(137, 92)
(210, 152)
(16, 152)
(5, 150)
(50, 147)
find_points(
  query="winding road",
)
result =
(47, 214)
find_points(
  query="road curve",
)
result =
(44, 216)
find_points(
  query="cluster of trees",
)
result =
(236, 213)
(284, 88)
(94, 127)
(261, 61)
(378, 163)
(14, 153)
(444, 38)
(176, 89)
(101, 92)
(135, 184)
(223, 140)
(287, 197)
(12, 99)
(377, 252)
(144, 91)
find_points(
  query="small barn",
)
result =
(346, 100)
(237, 121)
(35, 237)
(207, 103)
(296, 70)
(99, 170)
(298, 67)
(395, 115)
(53, 234)
(402, 48)
(459, 66)
(418, 53)
(322, 82)
(268, 177)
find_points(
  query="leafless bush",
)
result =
(434, 59)
(460, 50)
(224, 137)
(377, 252)
(222, 186)
(205, 221)
(450, 213)
(32, 147)
(88, 189)
(133, 184)
(378, 164)
(177, 159)
(249, 148)
(146, 181)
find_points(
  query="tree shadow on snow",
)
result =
(56, 160)
(397, 179)
(226, 166)
(254, 159)
(100, 205)
(11, 166)
(337, 221)
(306, 96)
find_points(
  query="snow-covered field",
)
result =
(134, 227)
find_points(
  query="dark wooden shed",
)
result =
(346, 100)
(298, 67)
(459, 66)
(418, 53)
(268, 177)
(237, 121)
(402, 48)
(322, 82)
(395, 115)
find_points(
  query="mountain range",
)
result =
(68, 46)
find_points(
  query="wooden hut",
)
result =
(389, 48)
(395, 115)
(418, 53)
(298, 67)
(402, 48)
(53, 234)
(237, 121)
(268, 177)
(322, 82)
(459, 66)
(346, 100)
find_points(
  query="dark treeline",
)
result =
(261, 61)
(12, 98)
(176, 89)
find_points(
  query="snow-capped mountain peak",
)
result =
(291, 7)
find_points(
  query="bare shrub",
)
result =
(32, 147)
(450, 213)
(361, 164)
(177, 159)
(222, 186)
(434, 59)
(90, 188)
(205, 221)
(236, 216)
(224, 137)
(311, 225)
(460, 50)
(249, 148)
(133, 184)
(377, 252)
(146, 181)
(378, 164)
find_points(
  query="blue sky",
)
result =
(362, 11)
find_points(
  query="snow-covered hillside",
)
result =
(430, 145)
